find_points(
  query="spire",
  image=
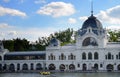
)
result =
(91, 7)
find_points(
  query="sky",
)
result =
(32, 19)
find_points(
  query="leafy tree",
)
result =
(114, 36)
(9, 44)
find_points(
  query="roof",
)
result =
(54, 42)
(92, 22)
(27, 53)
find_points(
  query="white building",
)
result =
(92, 51)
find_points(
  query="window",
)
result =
(95, 55)
(106, 57)
(71, 57)
(62, 57)
(78, 65)
(116, 56)
(89, 56)
(101, 65)
(119, 55)
(109, 56)
(84, 56)
(90, 41)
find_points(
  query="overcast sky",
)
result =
(31, 19)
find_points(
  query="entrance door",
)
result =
(84, 67)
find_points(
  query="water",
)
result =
(61, 75)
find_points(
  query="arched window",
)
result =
(90, 41)
(71, 57)
(84, 56)
(116, 56)
(62, 57)
(62, 67)
(89, 56)
(38, 66)
(52, 67)
(109, 56)
(25, 67)
(119, 55)
(51, 57)
(12, 67)
(95, 55)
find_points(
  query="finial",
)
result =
(91, 7)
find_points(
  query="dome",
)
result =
(54, 42)
(92, 22)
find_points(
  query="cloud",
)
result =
(39, 1)
(110, 16)
(6, 1)
(12, 33)
(31, 33)
(72, 20)
(114, 27)
(34, 33)
(57, 9)
(5, 25)
(83, 18)
(12, 12)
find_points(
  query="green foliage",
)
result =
(114, 36)
(9, 44)
(64, 36)
(24, 45)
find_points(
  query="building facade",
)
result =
(92, 51)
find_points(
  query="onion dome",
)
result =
(92, 22)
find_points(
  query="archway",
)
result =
(72, 67)
(51, 67)
(118, 67)
(109, 67)
(31, 66)
(84, 67)
(5, 67)
(25, 67)
(96, 66)
(11, 67)
(38, 66)
(62, 67)
(18, 66)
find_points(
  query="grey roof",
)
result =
(54, 42)
(27, 53)
(92, 22)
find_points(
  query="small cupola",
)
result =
(54, 42)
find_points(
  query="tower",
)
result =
(91, 34)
